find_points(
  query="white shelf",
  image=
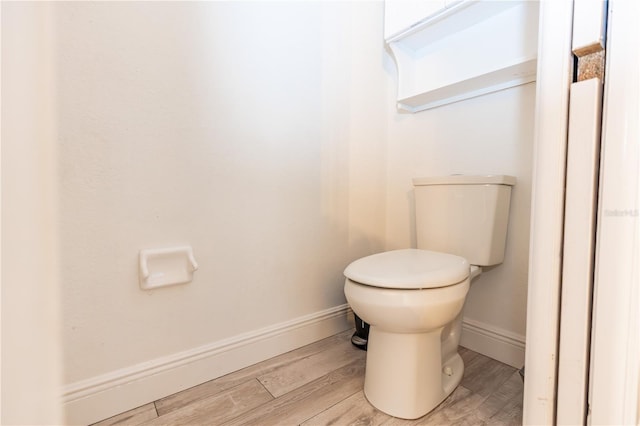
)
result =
(466, 50)
(498, 79)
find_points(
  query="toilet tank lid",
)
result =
(466, 180)
(409, 269)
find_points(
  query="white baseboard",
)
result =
(494, 342)
(109, 394)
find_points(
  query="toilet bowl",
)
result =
(413, 299)
(409, 297)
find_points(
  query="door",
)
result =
(581, 200)
(599, 345)
(583, 321)
(614, 376)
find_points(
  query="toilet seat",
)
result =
(409, 269)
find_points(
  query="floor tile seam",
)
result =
(283, 397)
(513, 395)
(217, 394)
(231, 419)
(261, 370)
(250, 377)
(265, 388)
(337, 367)
(319, 379)
(192, 400)
(322, 348)
(502, 382)
(257, 407)
(155, 407)
(328, 408)
(332, 383)
(506, 403)
(482, 402)
(499, 407)
(295, 361)
(496, 385)
(130, 412)
(337, 348)
(266, 371)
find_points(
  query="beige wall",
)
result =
(30, 358)
(242, 129)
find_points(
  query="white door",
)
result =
(581, 200)
(614, 376)
(583, 331)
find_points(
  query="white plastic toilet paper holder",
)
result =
(166, 266)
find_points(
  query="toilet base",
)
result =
(405, 376)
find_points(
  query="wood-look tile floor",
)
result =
(321, 384)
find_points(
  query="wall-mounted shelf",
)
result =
(467, 49)
(498, 79)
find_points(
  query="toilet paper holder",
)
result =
(160, 267)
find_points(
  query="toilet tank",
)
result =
(464, 215)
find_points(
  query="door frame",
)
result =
(554, 76)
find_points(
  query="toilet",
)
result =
(413, 298)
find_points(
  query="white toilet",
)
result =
(413, 298)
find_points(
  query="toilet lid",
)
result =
(409, 269)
